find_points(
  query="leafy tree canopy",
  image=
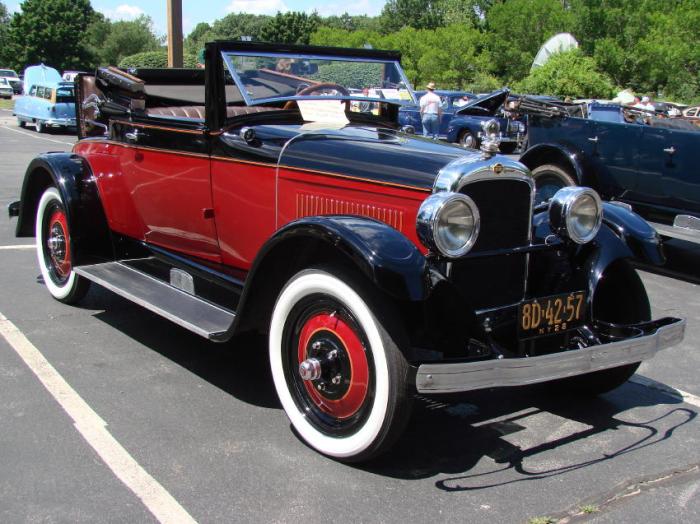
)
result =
(50, 31)
(127, 38)
(568, 74)
(154, 59)
(290, 28)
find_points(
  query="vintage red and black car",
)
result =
(257, 194)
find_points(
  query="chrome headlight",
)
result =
(448, 223)
(576, 213)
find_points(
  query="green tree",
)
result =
(570, 73)
(156, 59)
(194, 42)
(236, 25)
(290, 28)
(418, 14)
(516, 29)
(128, 37)
(50, 31)
(4, 23)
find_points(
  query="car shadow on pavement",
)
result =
(453, 437)
(239, 367)
(445, 435)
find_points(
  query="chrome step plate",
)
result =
(188, 311)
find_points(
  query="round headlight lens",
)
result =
(448, 223)
(576, 213)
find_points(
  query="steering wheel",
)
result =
(317, 87)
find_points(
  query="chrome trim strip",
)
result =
(452, 378)
(689, 234)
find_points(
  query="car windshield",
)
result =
(266, 77)
(8, 72)
(64, 95)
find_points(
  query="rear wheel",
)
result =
(339, 375)
(53, 249)
(20, 122)
(549, 179)
(468, 140)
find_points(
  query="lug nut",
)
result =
(310, 369)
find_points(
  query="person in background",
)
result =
(430, 112)
(646, 104)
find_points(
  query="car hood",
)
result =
(370, 153)
(40, 74)
(485, 105)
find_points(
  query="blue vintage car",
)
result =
(47, 102)
(452, 101)
(465, 127)
(627, 155)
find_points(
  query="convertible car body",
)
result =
(630, 156)
(251, 196)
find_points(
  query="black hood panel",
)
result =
(371, 154)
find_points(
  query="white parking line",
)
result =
(18, 246)
(93, 429)
(35, 135)
(688, 398)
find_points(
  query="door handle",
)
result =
(593, 139)
(670, 150)
(134, 135)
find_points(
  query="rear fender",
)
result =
(71, 175)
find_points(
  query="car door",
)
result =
(613, 148)
(166, 175)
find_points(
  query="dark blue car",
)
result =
(465, 127)
(452, 101)
(627, 155)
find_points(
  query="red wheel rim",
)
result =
(58, 243)
(353, 399)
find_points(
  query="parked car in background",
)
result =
(70, 76)
(465, 127)
(13, 79)
(248, 196)
(629, 156)
(47, 102)
(451, 101)
(5, 89)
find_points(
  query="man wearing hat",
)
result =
(430, 112)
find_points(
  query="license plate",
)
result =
(549, 315)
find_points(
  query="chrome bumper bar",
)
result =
(468, 376)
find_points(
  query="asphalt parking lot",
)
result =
(201, 431)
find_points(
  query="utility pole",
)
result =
(174, 33)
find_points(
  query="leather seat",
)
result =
(198, 112)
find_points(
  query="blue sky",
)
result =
(195, 11)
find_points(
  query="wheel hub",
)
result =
(57, 244)
(333, 365)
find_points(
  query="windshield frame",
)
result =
(227, 55)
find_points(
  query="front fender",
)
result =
(71, 175)
(635, 233)
(384, 255)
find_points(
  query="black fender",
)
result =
(72, 176)
(635, 233)
(382, 254)
(560, 154)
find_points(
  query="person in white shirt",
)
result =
(645, 104)
(430, 112)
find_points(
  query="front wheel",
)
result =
(39, 126)
(20, 122)
(468, 140)
(549, 179)
(53, 249)
(339, 375)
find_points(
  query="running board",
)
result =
(188, 311)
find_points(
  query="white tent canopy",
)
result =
(558, 43)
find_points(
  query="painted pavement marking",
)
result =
(36, 136)
(93, 429)
(18, 246)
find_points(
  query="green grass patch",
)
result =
(589, 508)
(6, 104)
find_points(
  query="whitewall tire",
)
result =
(357, 405)
(53, 249)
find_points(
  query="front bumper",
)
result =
(468, 376)
(64, 122)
